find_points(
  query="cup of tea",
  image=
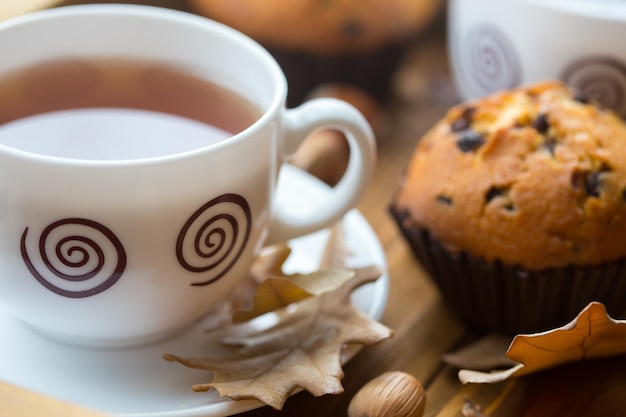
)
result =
(140, 150)
(501, 44)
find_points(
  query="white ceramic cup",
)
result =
(501, 44)
(124, 252)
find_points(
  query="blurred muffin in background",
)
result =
(319, 41)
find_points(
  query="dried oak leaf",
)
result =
(268, 263)
(299, 349)
(592, 334)
(275, 293)
(276, 289)
(336, 251)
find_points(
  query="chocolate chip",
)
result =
(541, 123)
(624, 195)
(460, 124)
(493, 192)
(590, 182)
(605, 167)
(469, 140)
(444, 199)
(464, 121)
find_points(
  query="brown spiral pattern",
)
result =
(214, 237)
(603, 79)
(77, 256)
(489, 60)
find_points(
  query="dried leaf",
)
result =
(275, 293)
(486, 354)
(267, 291)
(299, 349)
(324, 280)
(336, 250)
(276, 289)
(271, 294)
(267, 264)
(592, 334)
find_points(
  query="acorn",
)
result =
(392, 394)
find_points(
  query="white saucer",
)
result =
(138, 382)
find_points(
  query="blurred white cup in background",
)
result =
(501, 44)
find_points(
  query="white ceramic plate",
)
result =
(138, 382)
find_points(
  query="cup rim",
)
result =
(178, 16)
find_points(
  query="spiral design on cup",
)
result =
(214, 237)
(489, 60)
(79, 258)
(603, 79)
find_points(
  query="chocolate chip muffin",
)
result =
(516, 206)
(318, 41)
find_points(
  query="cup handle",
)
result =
(298, 123)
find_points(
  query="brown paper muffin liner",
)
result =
(370, 71)
(495, 297)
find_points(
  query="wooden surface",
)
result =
(16, 402)
(424, 327)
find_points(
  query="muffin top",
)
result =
(322, 26)
(534, 177)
